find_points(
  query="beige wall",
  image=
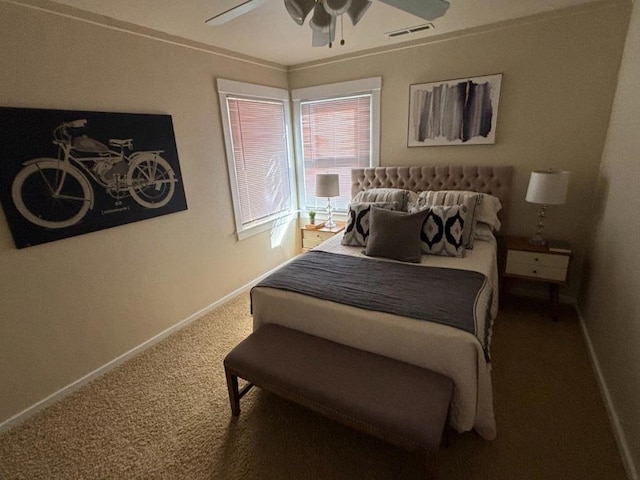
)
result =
(610, 298)
(557, 89)
(69, 307)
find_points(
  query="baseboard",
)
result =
(72, 387)
(619, 435)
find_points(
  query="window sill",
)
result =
(322, 216)
(267, 225)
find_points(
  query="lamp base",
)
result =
(537, 240)
(329, 223)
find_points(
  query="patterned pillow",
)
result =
(441, 232)
(356, 232)
(471, 200)
(384, 195)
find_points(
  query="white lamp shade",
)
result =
(548, 187)
(327, 185)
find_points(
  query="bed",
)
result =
(460, 355)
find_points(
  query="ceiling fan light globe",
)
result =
(299, 9)
(336, 7)
(320, 39)
(323, 38)
(357, 10)
(320, 20)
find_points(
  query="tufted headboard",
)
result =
(484, 179)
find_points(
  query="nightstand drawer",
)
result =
(537, 259)
(312, 239)
(543, 272)
(310, 242)
(535, 263)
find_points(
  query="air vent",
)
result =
(409, 30)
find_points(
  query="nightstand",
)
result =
(546, 263)
(312, 237)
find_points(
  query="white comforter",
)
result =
(447, 350)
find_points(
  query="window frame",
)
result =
(250, 91)
(366, 86)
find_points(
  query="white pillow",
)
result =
(488, 211)
(484, 232)
(399, 195)
(412, 201)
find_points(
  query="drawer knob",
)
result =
(537, 259)
(535, 271)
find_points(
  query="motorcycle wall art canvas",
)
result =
(65, 173)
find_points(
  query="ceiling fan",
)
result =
(326, 12)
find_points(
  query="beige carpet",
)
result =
(165, 414)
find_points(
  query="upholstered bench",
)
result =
(400, 403)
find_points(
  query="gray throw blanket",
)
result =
(441, 295)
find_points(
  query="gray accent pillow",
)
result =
(384, 195)
(395, 235)
(471, 200)
(442, 230)
(356, 231)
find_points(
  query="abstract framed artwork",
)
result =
(65, 173)
(463, 111)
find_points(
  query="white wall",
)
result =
(559, 77)
(610, 299)
(68, 307)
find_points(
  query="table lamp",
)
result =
(546, 187)
(328, 185)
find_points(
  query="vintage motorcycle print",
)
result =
(56, 193)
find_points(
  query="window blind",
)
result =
(336, 137)
(260, 155)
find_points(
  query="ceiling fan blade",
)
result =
(427, 9)
(357, 9)
(234, 12)
(299, 9)
(321, 20)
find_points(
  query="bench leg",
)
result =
(234, 394)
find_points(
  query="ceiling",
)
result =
(269, 33)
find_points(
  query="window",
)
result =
(337, 129)
(255, 123)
